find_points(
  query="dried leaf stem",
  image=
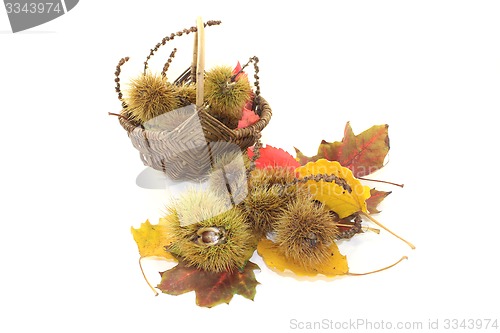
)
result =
(386, 229)
(379, 270)
(364, 228)
(117, 115)
(145, 278)
(381, 181)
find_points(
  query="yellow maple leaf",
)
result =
(151, 239)
(336, 265)
(344, 194)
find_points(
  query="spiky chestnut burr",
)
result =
(208, 234)
(226, 95)
(305, 232)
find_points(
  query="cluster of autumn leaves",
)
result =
(327, 204)
(291, 211)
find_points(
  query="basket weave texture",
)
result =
(183, 153)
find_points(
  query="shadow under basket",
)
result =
(188, 142)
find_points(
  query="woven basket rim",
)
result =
(258, 126)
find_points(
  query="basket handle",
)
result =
(199, 60)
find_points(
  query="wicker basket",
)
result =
(194, 138)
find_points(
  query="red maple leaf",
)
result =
(240, 74)
(249, 118)
(273, 157)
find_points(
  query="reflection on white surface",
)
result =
(226, 186)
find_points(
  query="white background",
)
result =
(429, 69)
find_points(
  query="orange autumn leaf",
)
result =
(211, 288)
(344, 195)
(376, 197)
(151, 239)
(336, 265)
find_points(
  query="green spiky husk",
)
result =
(225, 98)
(269, 194)
(305, 232)
(230, 255)
(186, 94)
(149, 96)
(268, 177)
(264, 206)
